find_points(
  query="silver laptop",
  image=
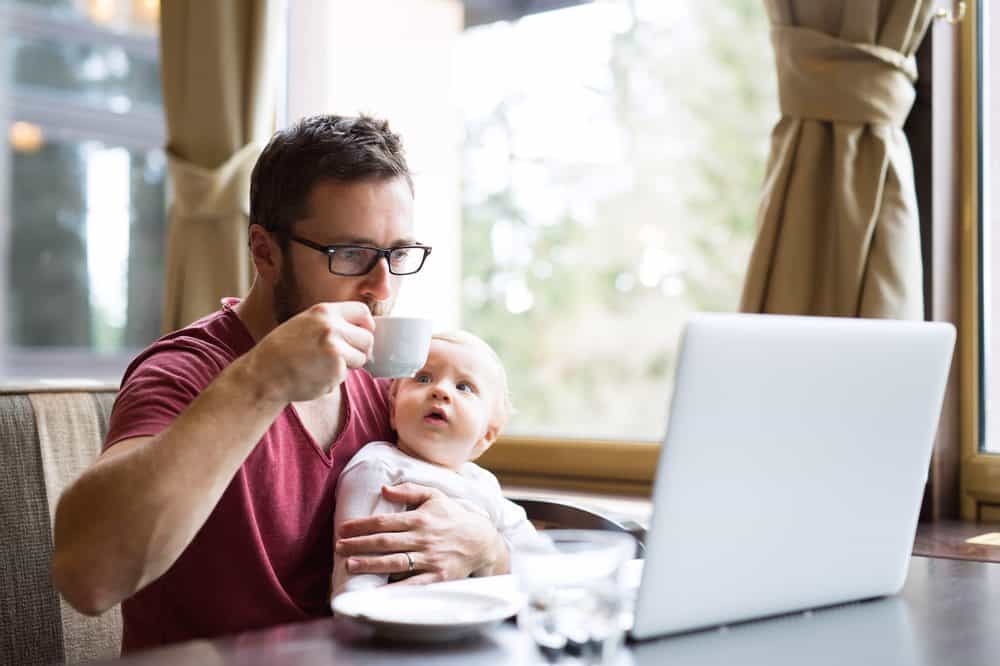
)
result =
(793, 466)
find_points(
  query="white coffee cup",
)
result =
(401, 346)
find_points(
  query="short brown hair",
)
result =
(317, 148)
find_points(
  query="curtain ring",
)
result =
(951, 17)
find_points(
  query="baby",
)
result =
(445, 416)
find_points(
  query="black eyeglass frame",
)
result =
(380, 252)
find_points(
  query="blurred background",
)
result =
(588, 173)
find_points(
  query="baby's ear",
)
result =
(486, 441)
(393, 390)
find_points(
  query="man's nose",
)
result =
(378, 281)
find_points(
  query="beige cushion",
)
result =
(47, 438)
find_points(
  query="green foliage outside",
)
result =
(640, 243)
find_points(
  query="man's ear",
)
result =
(265, 253)
(393, 390)
(486, 441)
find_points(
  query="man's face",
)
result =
(374, 213)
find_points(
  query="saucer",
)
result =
(428, 614)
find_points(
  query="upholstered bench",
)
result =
(48, 436)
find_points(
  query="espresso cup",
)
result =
(400, 347)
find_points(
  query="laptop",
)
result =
(793, 466)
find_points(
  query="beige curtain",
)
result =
(839, 231)
(219, 104)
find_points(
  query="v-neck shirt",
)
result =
(265, 554)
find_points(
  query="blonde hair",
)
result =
(505, 407)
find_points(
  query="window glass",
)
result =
(85, 255)
(106, 76)
(83, 176)
(989, 216)
(140, 17)
(613, 157)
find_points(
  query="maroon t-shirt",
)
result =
(265, 554)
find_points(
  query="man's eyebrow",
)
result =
(358, 240)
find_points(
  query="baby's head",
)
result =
(454, 407)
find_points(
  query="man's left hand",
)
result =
(442, 539)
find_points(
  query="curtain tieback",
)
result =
(825, 78)
(212, 194)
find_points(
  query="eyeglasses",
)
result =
(353, 260)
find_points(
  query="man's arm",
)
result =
(128, 518)
(445, 540)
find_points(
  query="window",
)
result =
(980, 346)
(583, 196)
(82, 204)
(605, 198)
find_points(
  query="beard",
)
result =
(286, 295)
(287, 301)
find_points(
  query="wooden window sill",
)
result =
(949, 539)
(594, 466)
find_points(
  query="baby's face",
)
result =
(443, 413)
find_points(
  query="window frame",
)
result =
(957, 224)
(622, 467)
(66, 118)
(980, 471)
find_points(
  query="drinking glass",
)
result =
(577, 606)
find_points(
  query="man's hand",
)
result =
(309, 355)
(444, 540)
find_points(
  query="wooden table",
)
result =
(947, 613)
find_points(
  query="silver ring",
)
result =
(409, 558)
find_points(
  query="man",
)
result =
(210, 510)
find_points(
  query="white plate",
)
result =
(431, 613)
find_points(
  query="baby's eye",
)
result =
(423, 378)
(465, 386)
